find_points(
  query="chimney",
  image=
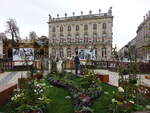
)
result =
(81, 13)
(73, 13)
(57, 15)
(99, 11)
(65, 15)
(90, 12)
(144, 18)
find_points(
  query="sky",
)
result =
(32, 15)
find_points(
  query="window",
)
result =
(104, 53)
(85, 37)
(85, 27)
(69, 38)
(68, 52)
(61, 52)
(77, 38)
(61, 28)
(53, 29)
(77, 27)
(103, 36)
(53, 52)
(53, 40)
(69, 28)
(95, 53)
(95, 37)
(94, 26)
(104, 25)
(61, 38)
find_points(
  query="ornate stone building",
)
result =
(2, 37)
(69, 34)
(143, 39)
(1, 48)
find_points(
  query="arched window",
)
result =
(94, 26)
(61, 28)
(53, 53)
(104, 26)
(69, 38)
(94, 37)
(103, 36)
(53, 29)
(85, 37)
(69, 28)
(68, 52)
(61, 38)
(95, 53)
(77, 27)
(85, 27)
(61, 52)
(77, 38)
(104, 52)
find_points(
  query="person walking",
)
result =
(77, 63)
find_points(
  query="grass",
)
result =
(101, 104)
(59, 104)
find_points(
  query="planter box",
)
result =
(147, 77)
(6, 92)
(147, 90)
(103, 77)
(37, 76)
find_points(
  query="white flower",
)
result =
(148, 107)
(113, 100)
(106, 93)
(41, 91)
(12, 98)
(67, 97)
(132, 102)
(120, 89)
(113, 92)
(51, 86)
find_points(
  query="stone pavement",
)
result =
(11, 77)
(114, 77)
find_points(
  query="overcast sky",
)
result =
(32, 15)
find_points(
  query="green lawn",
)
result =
(59, 104)
(101, 104)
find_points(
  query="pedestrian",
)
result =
(77, 63)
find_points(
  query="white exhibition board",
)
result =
(21, 55)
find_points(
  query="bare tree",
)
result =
(32, 35)
(13, 30)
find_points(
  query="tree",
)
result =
(13, 30)
(32, 35)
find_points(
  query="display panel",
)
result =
(23, 55)
(86, 54)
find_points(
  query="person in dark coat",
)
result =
(77, 63)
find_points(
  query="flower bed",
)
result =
(82, 98)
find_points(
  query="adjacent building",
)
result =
(2, 37)
(142, 41)
(92, 32)
(1, 48)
